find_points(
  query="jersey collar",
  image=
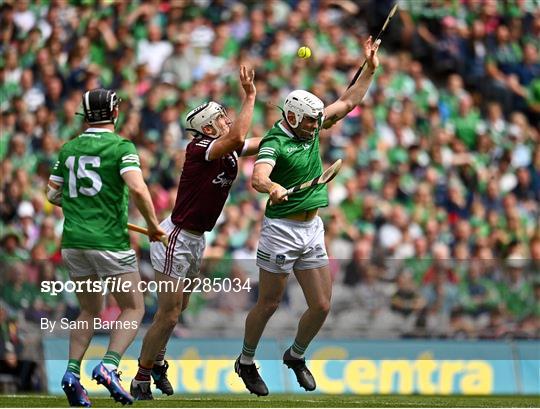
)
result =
(289, 134)
(94, 130)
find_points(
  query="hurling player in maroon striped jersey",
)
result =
(209, 170)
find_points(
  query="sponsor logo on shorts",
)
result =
(182, 268)
(280, 259)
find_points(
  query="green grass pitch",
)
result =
(287, 400)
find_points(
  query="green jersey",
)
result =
(294, 162)
(94, 195)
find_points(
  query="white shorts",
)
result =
(82, 263)
(286, 245)
(182, 257)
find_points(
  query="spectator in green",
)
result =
(516, 291)
(11, 250)
(477, 294)
(467, 121)
(18, 293)
(20, 155)
(421, 261)
(351, 206)
(450, 97)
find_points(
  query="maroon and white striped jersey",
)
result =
(204, 186)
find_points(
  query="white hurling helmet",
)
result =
(301, 103)
(204, 115)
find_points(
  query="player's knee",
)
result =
(131, 302)
(168, 318)
(169, 321)
(89, 313)
(134, 308)
(269, 306)
(138, 312)
(322, 307)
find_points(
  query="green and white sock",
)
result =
(74, 366)
(248, 354)
(297, 350)
(111, 360)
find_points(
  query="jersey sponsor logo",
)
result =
(280, 259)
(305, 146)
(222, 180)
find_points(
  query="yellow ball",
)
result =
(304, 52)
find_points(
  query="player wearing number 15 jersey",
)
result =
(95, 197)
(91, 181)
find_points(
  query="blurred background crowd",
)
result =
(433, 228)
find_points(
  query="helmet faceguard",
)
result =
(99, 105)
(303, 104)
(205, 115)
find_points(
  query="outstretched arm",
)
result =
(354, 95)
(143, 201)
(251, 146)
(237, 134)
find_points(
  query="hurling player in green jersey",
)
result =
(91, 181)
(292, 235)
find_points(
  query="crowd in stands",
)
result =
(433, 227)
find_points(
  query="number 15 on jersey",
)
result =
(81, 169)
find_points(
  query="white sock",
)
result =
(246, 360)
(110, 367)
(295, 355)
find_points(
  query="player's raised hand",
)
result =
(246, 79)
(370, 51)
